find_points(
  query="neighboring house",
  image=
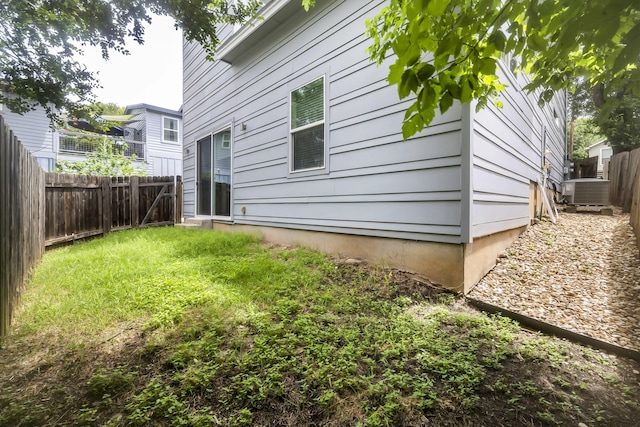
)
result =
(34, 130)
(153, 134)
(160, 130)
(295, 134)
(603, 152)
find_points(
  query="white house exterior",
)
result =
(601, 150)
(295, 134)
(153, 134)
(160, 129)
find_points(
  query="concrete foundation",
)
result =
(455, 266)
(481, 255)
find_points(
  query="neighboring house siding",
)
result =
(374, 183)
(140, 124)
(34, 131)
(603, 152)
(164, 158)
(161, 158)
(507, 152)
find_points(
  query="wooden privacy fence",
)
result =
(624, 177)
(80, 206)
(21, 220)
(39, 209)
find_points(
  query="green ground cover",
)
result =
(178, 327)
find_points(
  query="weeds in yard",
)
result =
(111, 383)
(229, 332)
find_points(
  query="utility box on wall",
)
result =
(586, 191)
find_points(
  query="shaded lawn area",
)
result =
(177, 327)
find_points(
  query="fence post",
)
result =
(5, 226)
(134, 191)
(629, 182)
(178, 200)
(106, 205)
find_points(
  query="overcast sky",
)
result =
(151, 74)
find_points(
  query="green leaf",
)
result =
(412, 126)
(487, 66)
(448, 44)
(446, 101)
(455, 90)
(536, 42)
(408, 83)
(499, 40)
(395, 73)
(466, 92)
(607, 30)
(425, 72)
(427, 116)
(427, 98)
(400, 45)
(437, 7)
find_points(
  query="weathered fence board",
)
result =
(83, 206)
(22, 220)
(617, 176)
(624, 174)
(629, 182)
(634, 211)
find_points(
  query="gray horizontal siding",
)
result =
(33, 129)
(375, 184)
(507, 150)
(420, 181)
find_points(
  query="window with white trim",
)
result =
(307, 126)
(605, 154)
(170, 129)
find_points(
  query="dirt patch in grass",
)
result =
(357, 345)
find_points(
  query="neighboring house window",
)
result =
(169, 129)
(307, 126)
(605, 155)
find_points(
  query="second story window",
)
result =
(170, 129)
(307, 126)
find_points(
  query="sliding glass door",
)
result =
(214, 174)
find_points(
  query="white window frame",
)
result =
(227, 125)
(602, 159)
(177, 130)
(308, 126)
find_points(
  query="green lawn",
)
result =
(169, 326)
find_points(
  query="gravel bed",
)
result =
(582, 274)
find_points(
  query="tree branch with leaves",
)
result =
(446, 50)
(39, 41)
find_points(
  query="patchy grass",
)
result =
(178, 327)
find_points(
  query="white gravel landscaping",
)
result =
(582, 274)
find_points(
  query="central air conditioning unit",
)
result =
(586, 191)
